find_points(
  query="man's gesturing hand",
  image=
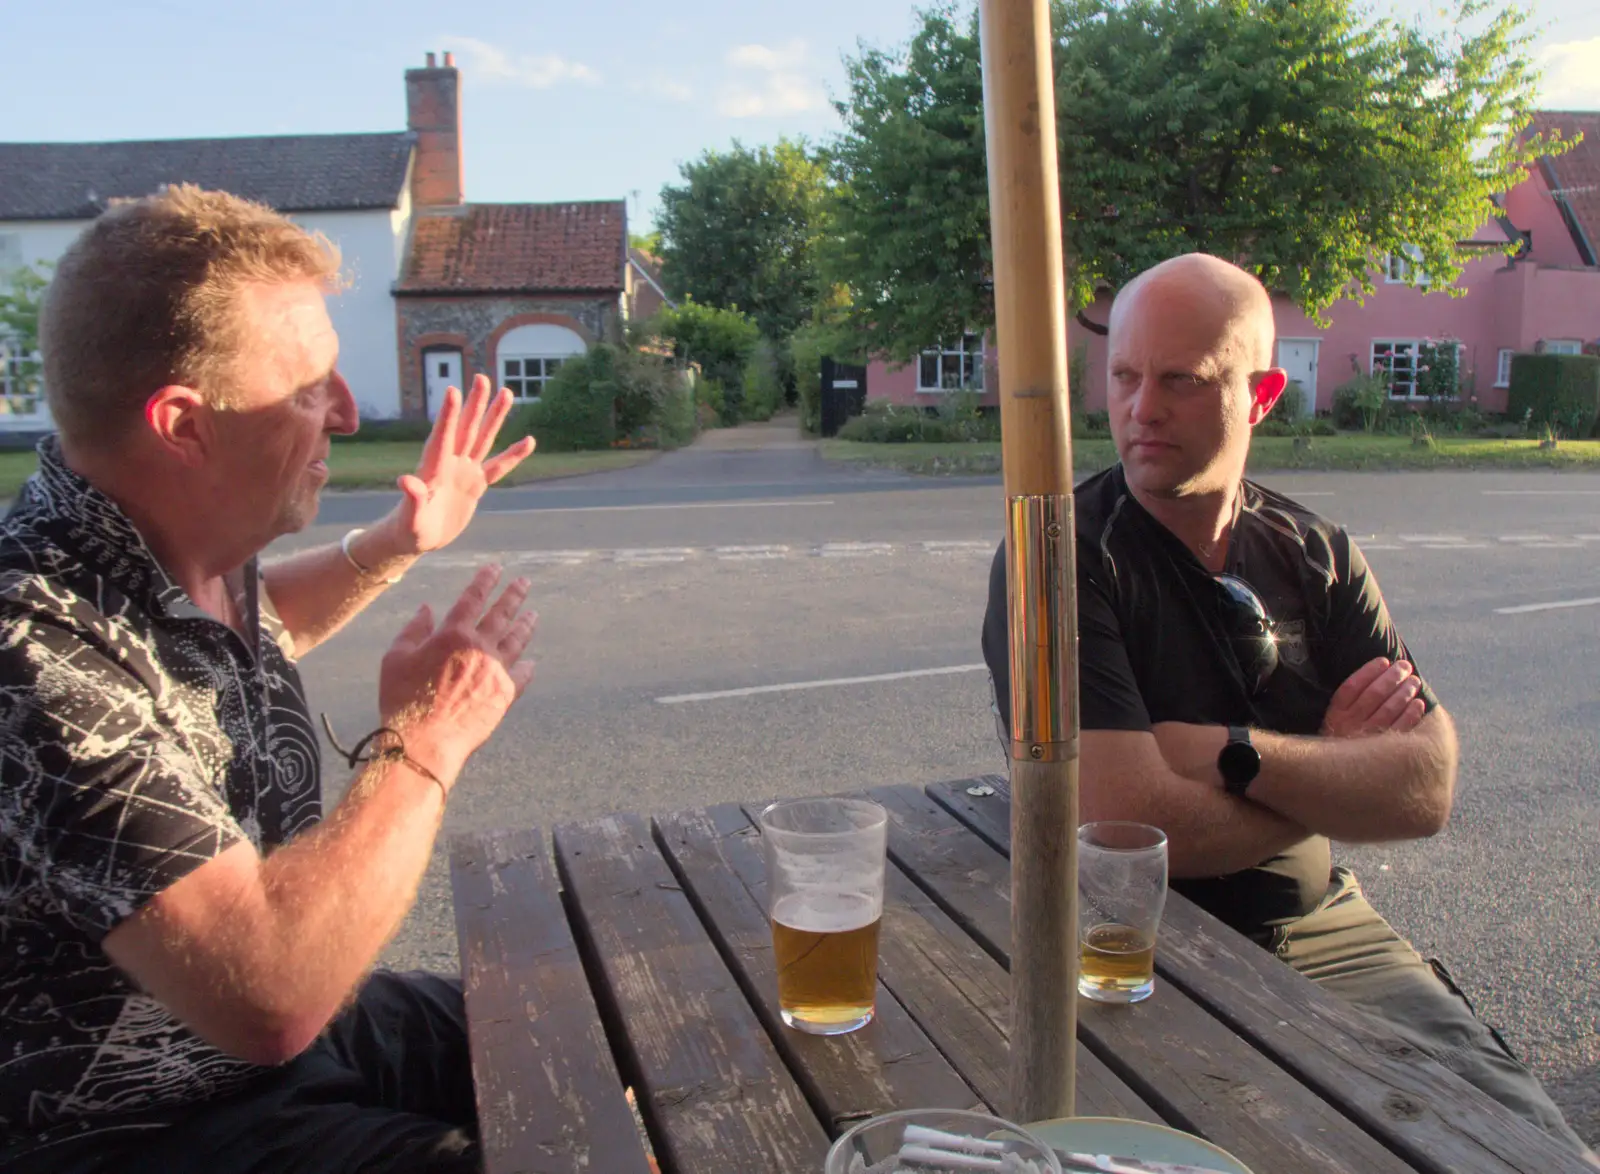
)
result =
(453, 684)
(1377, 697)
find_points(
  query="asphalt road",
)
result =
(715, 570)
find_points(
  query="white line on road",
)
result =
(661, 505)
(1540, 492)
(854, 549)
(1434, 538)
(1526, 538)
(680, 698)
(1527, 607)
(1449, 546)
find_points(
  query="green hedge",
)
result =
(807, 348)
(1561, 391)
(609, 396)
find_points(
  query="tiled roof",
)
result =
(1575, 176)
(292, 173)
(518, 248)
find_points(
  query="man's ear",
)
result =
(1265, 390)
(180, 422)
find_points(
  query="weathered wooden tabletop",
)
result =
(642, 958)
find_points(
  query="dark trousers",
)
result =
(387, 1087)
(1347, 948)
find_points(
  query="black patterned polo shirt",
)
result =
(139, 738)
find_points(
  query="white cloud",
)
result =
(660, 85)
(779, 82)
(1571, 75)
(539, 71)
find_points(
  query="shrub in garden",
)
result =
(806, 350)
(611, 395)
(1362, 401)
(1561, 392)
(763, 386)
(721, 342)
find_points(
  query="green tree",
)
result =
(738, 232)
(648, 242)
(1297, 136)
(21, 296)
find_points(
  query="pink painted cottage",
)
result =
(1544, 296)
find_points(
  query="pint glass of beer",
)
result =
(1122, 888)
(825, 899)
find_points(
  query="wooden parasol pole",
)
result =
(1036, 450)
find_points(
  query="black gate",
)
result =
(844, 394)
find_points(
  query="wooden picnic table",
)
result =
(639, 957)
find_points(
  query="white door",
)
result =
(1298, 356)
(441, 370)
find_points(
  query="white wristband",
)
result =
(344, 546)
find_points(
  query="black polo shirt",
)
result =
(1153, 647)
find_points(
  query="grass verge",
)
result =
(1358, 452)
(376, 464)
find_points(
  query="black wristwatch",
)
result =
(1239, 762)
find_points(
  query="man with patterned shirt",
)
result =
(185, 941)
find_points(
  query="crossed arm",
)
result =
(1380, 770)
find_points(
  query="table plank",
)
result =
(890, 1064)
(714, 1093)
(550, 1100)
(1423, 1111)
(1174, 1054)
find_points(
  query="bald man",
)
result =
(1241, 684)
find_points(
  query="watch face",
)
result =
(1239, 762)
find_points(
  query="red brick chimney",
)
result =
(433, 114)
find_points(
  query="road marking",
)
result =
(1365, 546)
(1540, 492)
(957, 546)
(737, 554)
(1526, 538)
(1449, 546)
(1552, 546)
(663, 505)
(649, 555)
(1432, 538)
(854, 549)
(1527, 607)
(753, 690)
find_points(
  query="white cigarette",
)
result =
(938, 1138)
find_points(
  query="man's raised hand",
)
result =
(452, 684)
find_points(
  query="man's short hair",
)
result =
(148, 296)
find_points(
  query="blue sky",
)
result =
(587, 100)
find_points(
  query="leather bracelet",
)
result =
(365, 751)
(365, 572)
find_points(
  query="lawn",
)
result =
(376, 464)
(1347, 451)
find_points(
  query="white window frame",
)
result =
(1563, 346)
(12, 397)
(966, 356)
(1374, 366)
(519, 382)
(1502, 366)
(1405, 268)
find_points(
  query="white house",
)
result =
(438, 288)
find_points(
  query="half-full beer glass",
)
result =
(1122, 889)
(825, 900)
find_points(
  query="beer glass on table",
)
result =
(1122, 889)
(825, 861)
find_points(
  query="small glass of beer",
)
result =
(1122, 888)
(825, 860)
